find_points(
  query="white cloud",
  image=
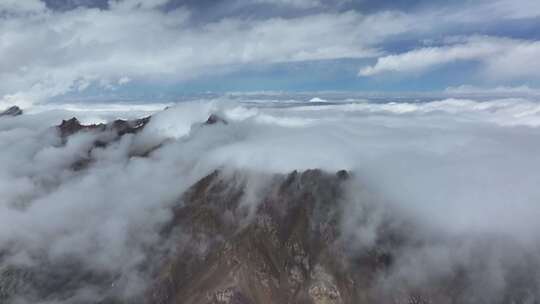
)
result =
(519, 62)
(18, 6)
(492, 91)
(502, 58)
(50, 53)
(293, 3)
(124, 80)
(498, 9)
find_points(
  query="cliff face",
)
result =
(119, 126)
(284, 247)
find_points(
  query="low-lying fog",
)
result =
(466, 172)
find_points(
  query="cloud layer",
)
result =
(449, 166)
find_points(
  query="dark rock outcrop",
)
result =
(72, 126)
(214, 119)
(112, 132)
(121, 127)
(12, 111)
(281, 248)
(118, 128)
(54, 282)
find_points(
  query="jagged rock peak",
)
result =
(282, 251)
(129, 126)
(214, 118)
(73, 125)
(121, 126)
(12, 111)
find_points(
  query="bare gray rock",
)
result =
(12, 111)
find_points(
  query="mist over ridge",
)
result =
(459, 173)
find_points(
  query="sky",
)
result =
(162, 49)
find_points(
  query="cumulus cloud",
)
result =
(502, 58)
(48, 53)
(51, 53)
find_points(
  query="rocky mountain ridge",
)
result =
(12, 111)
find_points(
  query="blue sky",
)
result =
(165, 48)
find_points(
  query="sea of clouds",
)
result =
(465, 171)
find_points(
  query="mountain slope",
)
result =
(282, 249)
